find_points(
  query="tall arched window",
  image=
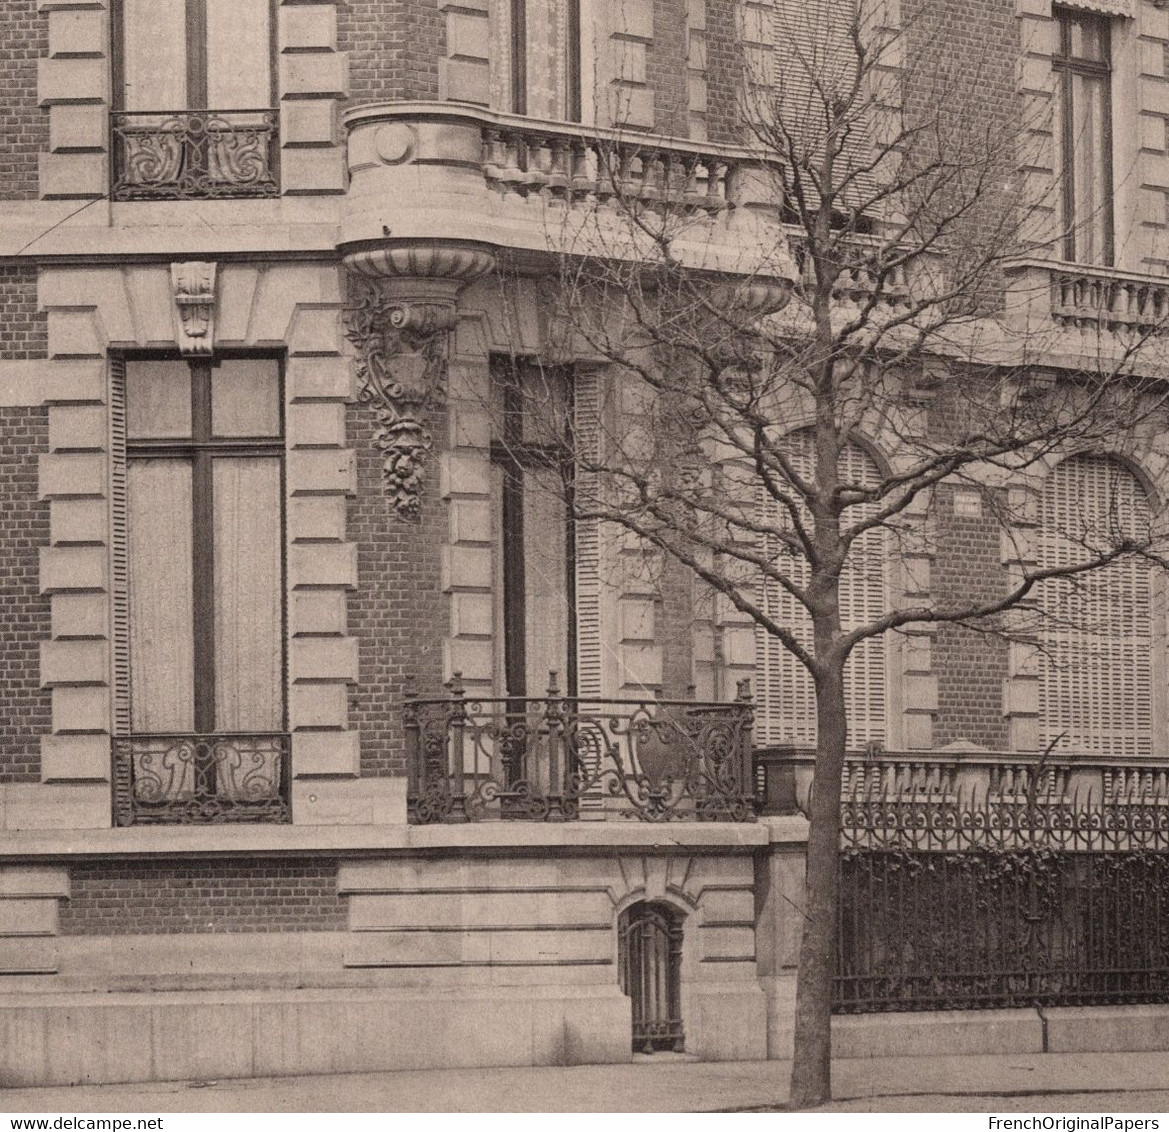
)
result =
(785, 696)
(1096, 662)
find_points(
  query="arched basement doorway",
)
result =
(649, 949)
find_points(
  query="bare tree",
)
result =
(887, 304)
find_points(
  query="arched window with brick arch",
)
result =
(785, 697)
(1097, 662)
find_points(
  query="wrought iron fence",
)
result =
(201, 779)
(556, 758)
(954, 902)
(195, 154)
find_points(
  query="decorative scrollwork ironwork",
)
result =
(201, 779)
(952, 902)
(540, 759)
(195, 154)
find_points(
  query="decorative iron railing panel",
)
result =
(961, 902)
(195, 154)
(201, 779)
(550, 758)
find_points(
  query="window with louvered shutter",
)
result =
(587, 560)
(812, 63)
(1096, 663)
(786, 699)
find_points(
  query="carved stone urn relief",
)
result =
(403, 305)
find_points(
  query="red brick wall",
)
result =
(394, 49)
(960, 68)
(398, 611)
(167, 897)
(24, 126)
(724, 62)
(666, 69)
(25, 709)
(24, 331)
(971, 666)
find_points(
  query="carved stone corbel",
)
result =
(403, 304)
(193, 287)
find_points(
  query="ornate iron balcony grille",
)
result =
(555, 757)
(201, 779)
(973, 901)
(195, 154)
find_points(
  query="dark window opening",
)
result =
(203, 734)
(1083, 135)
(649, 951)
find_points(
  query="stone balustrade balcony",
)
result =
(1114, 317)
(784, 778)
(530, 189)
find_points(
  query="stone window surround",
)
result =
(75, 84)
(1139, 92)
(1020, 551)
(91, 312)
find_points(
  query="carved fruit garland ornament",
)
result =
(401, 359)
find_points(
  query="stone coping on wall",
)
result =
(494, 836)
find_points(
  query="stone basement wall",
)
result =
(24, 126)
(172, 897)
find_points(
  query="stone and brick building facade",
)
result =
(262, 264)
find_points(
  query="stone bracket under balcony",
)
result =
(445, 172)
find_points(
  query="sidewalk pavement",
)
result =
(1110, 1082)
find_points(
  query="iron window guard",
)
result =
(194, 154)
(188, 779)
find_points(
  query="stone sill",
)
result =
(494, 836)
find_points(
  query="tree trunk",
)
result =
(811, 1082)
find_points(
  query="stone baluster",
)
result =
(715, 183)
(583, 169)
(494, 156)
(512, 175)
(539, 163)
(559, 173)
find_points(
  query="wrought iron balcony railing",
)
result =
(559, 758)
(201, 779)
(195, 154)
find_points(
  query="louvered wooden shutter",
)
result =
(1096, 666)
(787, 704)
(812, 42)
(119, 584)
(587, 434)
